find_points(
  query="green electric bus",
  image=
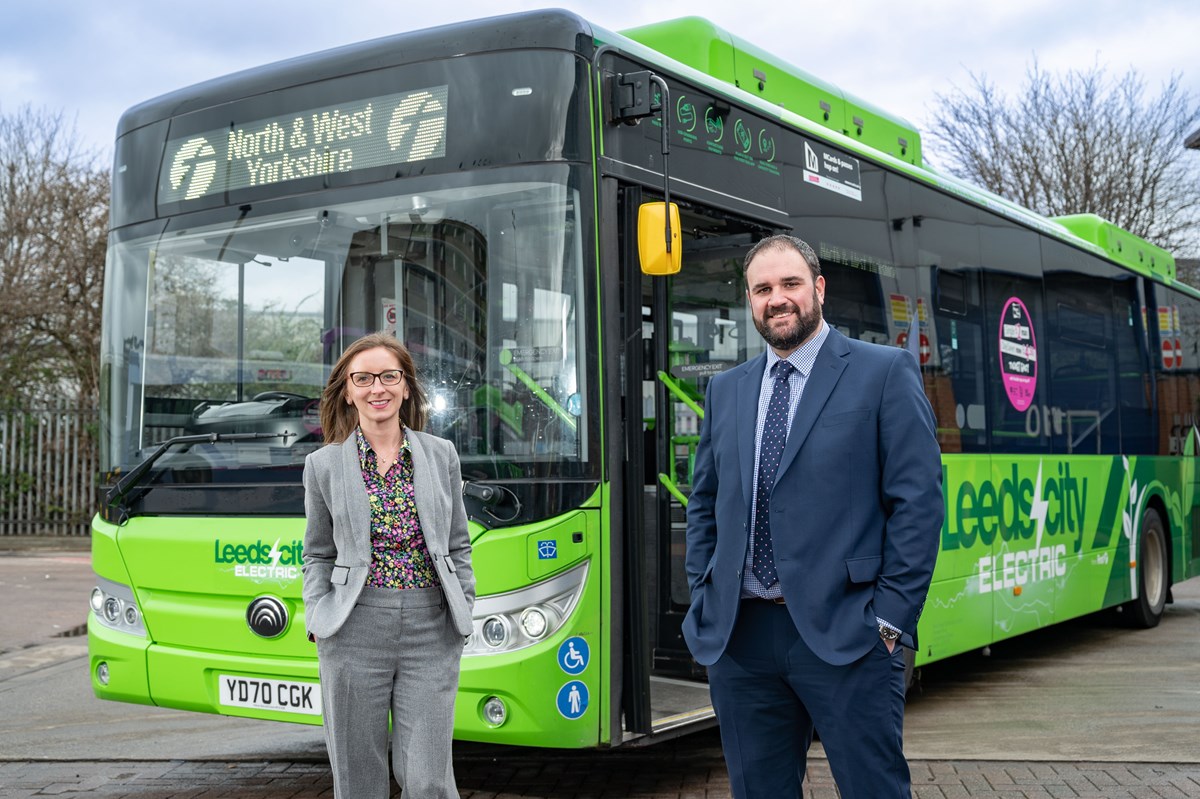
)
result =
(501, 195)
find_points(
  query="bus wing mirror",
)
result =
(659, 254)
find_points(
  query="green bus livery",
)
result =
(477, 189)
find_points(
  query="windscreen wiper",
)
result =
(486, 497)
(119, 499)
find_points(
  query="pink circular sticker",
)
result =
(1018, 354)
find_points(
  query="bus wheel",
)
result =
(1147, 609)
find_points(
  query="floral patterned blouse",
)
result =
(399, 556)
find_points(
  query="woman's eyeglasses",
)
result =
(367, 379)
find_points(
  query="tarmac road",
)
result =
(1085, 709)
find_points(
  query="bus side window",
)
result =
(958, 376)
(1022, 419)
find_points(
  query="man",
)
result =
(813, 528)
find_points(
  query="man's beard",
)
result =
(790, 338)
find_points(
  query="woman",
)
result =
(388, 585)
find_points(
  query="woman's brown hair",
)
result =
(338, 419)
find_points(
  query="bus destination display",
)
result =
(378, 131)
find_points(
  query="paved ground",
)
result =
(680, 772)
(44, 597)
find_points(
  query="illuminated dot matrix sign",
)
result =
(1018, 354)
(378, 131)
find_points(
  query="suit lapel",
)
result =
(354, 492)
(423, 490)
(748, 389)
(826, 371)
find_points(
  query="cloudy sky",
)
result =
(93, 60)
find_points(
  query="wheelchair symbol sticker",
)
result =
(572, 699)
(573, 655)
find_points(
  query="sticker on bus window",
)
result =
(1018, 354)
(832, 170)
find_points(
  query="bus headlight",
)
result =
(114, 607)
(495, 632)
(494, 711)
(533, 623)
(517, 619)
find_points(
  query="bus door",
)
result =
(694, 325)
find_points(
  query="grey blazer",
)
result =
(337, 538)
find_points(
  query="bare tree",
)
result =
(1080, 143)
(53, 224)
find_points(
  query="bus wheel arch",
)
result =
(1153, 558)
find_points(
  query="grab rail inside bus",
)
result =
(673, 487)
(670, 480)
(506, 358)
(676, 388)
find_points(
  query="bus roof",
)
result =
(697, 50)
(554, 29)
(703, 46)
(767, 81)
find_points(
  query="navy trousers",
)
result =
(769, 691)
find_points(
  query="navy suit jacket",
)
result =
(856, 511)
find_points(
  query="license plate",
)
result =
(266, 694)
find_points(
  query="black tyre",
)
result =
(1153, 573)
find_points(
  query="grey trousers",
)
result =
(398, 652)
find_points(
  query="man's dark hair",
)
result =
(783, 241)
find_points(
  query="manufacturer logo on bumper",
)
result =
(267, 617)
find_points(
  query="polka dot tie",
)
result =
(774, 436)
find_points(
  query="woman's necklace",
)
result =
(384, 462)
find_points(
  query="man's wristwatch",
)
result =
(887, 633)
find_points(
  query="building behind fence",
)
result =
(48, 468)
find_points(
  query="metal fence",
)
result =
(48, 466)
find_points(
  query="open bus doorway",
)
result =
(694, 325)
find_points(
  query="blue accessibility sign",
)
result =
(573, 655)
(572, 699)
